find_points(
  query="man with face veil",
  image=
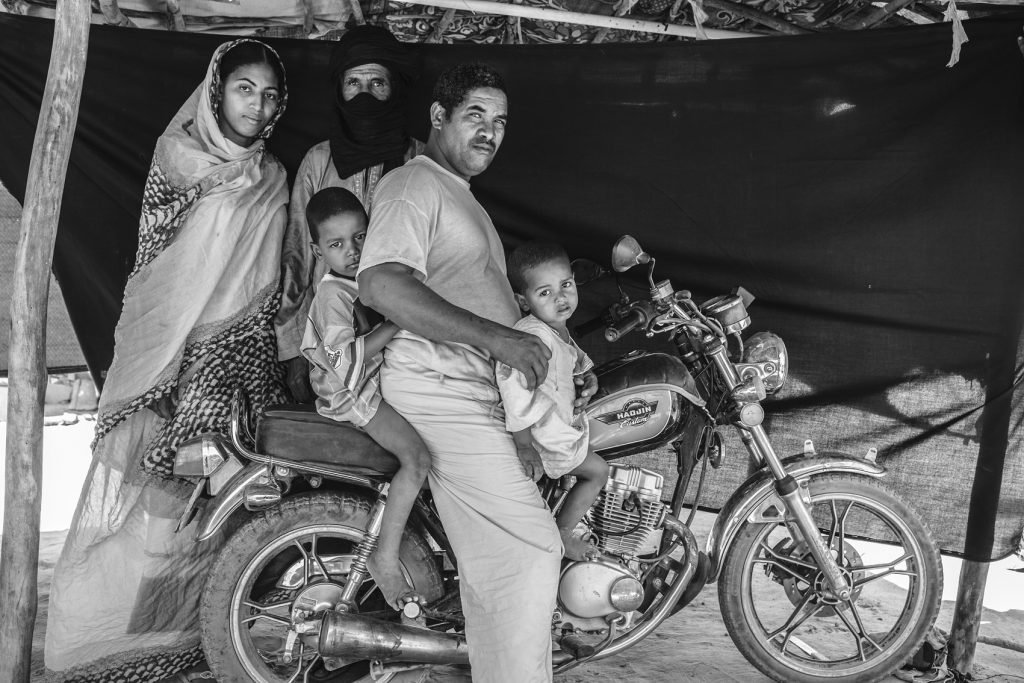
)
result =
(196, 323)
(371, 74)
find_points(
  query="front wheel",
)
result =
(784, 620)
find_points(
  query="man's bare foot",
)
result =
(578, 547)
(388, 577)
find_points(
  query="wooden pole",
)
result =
(970, 592)
(308, 14)
(563, 17)
(983, 512)
(623, 8)
(175, 21)
(51, 149)
(357, 12)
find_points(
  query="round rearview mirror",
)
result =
(627, 253)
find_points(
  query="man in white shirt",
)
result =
(433, 264)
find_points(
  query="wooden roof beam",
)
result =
(879, 15)
(566, 17)
(757, 16)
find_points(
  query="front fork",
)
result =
(760, 446)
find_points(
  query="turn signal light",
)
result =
(199, 456)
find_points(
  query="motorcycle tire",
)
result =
(295, 542)
(802, 634)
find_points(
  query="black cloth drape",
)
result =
(868, 195)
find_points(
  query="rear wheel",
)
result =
(281, 568)
(784, 619)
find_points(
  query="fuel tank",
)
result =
(644, 401)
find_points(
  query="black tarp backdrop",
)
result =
(867, 194)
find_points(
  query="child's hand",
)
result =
(165, 406)
(588, 383)
(530, 458)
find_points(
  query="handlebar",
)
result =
(631, 320)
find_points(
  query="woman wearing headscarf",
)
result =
(197, 321)
(371, 74)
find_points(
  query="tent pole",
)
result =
(963, 640)
(996, 422)
(51, 149)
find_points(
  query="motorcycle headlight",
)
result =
(765, 353)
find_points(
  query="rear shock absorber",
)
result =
(358, 572)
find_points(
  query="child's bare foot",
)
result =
(388, 577)
(578, 547)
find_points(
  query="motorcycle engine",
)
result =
(628, 509)
(625, 514)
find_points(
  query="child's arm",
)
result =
(528, 455)
(376, 339)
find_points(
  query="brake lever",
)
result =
(664, 323)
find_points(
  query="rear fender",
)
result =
(231, 497)
(757, 501)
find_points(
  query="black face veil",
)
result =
(366, 131)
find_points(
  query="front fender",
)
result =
(229, 499)
(757, 495)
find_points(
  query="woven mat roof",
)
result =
(325, 19)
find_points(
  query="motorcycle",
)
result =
(289, 596)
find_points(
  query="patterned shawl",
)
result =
(208, 260)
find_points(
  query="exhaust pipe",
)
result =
(353, 636)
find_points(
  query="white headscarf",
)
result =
(210, 235)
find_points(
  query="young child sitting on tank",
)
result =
(344, 348)
(542, 420)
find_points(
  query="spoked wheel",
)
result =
(781, 614)
(276, 576)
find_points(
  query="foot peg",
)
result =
(576, 646)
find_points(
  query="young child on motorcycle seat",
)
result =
(542, 421)
(344, 341)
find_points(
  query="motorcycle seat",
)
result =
(295, 431)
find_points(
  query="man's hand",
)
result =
(297, 378)
(524, 352)
(588, 387)
(395, 292)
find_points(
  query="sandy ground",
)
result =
(691, 646)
